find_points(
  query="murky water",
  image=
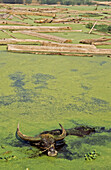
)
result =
(40, 91)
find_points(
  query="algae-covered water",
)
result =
(39, 92)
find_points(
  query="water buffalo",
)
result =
(46, 141)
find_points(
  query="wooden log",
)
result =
(96, 20)
(10, 17)
(5, 41)
(101, 33)
(102, 43)
(55, 44)
(50, 31)
(46, 36)
(5, 16)
(27, 12)
(8, 33)
(92, 27)
(59, 20)
(53, 9)
(24, 16)
(39, 9)
(102, 3)
(46, 20)
(58, 53)
(42, 28)
(90, 41)
(5, 22)
(28, 48)
(18, 17)
(31, 13)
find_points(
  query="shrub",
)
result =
(102, 28)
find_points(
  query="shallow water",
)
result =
(40, 91)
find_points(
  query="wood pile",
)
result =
(50, 44)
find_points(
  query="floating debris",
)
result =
(91, 155)
(3, 147)
(8, 158)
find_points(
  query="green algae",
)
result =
(39, 92)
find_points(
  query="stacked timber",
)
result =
(34, 48)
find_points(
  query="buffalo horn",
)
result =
(27, 138)
(62, 136)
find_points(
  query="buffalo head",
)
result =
(44, 141)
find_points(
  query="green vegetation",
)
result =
(63, 2)
(66, 2)
(102, 28)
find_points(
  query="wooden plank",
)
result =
(28, 48)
